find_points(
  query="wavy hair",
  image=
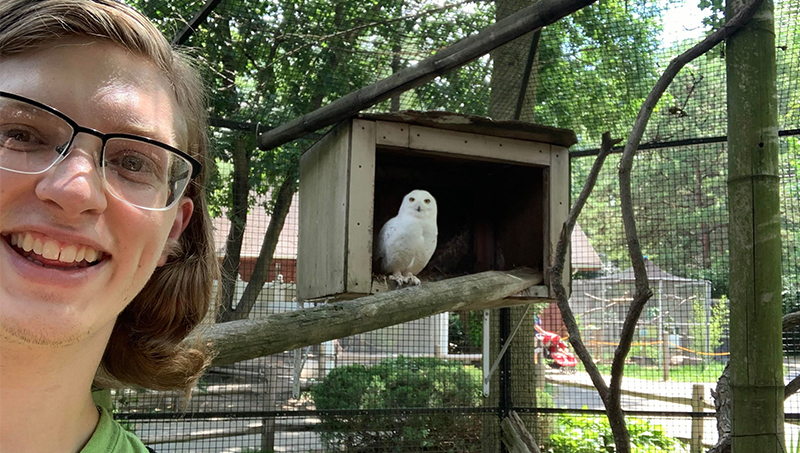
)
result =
(147, 347)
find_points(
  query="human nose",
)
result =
(75, 184)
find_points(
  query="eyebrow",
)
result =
(128, 124)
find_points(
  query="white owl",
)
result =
(407, 241)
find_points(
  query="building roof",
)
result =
(654, 274)
(257, 223)
(584, 256)
(479, 125)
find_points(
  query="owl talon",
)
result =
(411, 279)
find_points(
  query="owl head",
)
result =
(419, 203)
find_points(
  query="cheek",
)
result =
(141, 235)
(14, 186)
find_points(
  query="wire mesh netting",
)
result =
(426, 385)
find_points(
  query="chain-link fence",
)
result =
(425, 385)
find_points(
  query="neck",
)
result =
(45, 395)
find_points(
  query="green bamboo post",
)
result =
(754, 235)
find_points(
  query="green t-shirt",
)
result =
(110, 437)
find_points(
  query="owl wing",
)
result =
(386, 238)
(424, 248)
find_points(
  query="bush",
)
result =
(592, 434)
(397, 384)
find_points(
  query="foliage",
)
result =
(397, 384)
(707, 328)
(592, 434)
(467, 339)
(682, 373)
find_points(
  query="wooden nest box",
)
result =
(502, 189)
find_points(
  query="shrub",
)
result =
(397, 384)
(592, 434)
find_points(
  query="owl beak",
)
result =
(419, 208)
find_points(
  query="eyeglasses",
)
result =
(138, 170)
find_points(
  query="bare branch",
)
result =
(643, 292)
(626, 163)
(557, 269)
(316, 39)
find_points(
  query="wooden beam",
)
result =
(248, 339)
(534, 17)
(198, 19)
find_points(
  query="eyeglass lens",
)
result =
(141, 173)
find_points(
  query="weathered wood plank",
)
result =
(481, 147)
(361, 178)
(247, 339)
(559, 207)
(323, 204)
(391, 134)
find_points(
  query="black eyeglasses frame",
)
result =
(77, 129)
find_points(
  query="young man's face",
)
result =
(67, 210)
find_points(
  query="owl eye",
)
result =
(427, 201)
(411, 199)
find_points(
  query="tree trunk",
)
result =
(283, 202)
(508, 70)
(754, 235)
(238, 218)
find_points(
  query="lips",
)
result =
(49, 253)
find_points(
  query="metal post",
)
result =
(504, 375)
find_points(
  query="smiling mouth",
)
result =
(50, 254)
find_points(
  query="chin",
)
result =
(51, 327)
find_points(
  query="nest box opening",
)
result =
(491, 215)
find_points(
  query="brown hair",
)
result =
(147, 346)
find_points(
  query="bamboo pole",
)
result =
(754, 235)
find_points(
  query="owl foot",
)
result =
(411, 279)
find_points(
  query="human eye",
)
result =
(137, 162)
(31, 130)
(21, 138)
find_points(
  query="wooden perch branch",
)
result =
(536, 16)
(247, 339)
(515, 437)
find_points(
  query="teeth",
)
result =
(68, 254)
(91, 255)
(51, 250)
(37, 246)
(27, 243)
(80, 254)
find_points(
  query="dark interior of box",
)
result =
(491, 215)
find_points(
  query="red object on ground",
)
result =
(558, 350)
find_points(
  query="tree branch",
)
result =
(316, 39)
(538, 15)
(557, 269)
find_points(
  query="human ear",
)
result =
(182, 216)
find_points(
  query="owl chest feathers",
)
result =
(407, 244)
